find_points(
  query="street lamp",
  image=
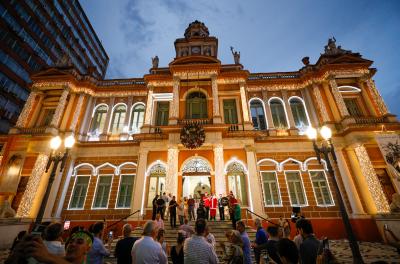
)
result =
(326, 149)
(56, 158)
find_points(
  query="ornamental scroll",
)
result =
(320, 103)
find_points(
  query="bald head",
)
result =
(150, 229)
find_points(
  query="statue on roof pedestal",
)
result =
(236, 56)
(332, 49)
(155, 61)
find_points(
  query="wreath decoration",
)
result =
(192, 136)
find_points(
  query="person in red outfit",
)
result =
(206, 200)
(213, 207)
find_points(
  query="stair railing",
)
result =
(259, 216)
(122, 219)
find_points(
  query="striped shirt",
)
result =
(198, 251)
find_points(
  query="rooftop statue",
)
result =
(332, 49)
(236, 56)
(155, 61)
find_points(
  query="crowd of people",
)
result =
(193, 245)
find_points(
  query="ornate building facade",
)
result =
(202, 126)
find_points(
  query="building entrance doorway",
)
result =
(196, 186)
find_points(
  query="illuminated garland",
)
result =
(193, 136)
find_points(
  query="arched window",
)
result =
(99, 119)
(257, 115)
(137, 117)
(278, 113)
(299, 113)
(118, 118)
(196, 105)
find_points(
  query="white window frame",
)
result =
(112, 117)
(263, 105)
(329, 189)
(94, 112)
(304, 105)
(302, 184)
(284, 109)
(131, 116)
(278, 186)
(73, 189)
(95, 191)
(119, 185)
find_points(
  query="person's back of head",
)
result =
(181, 237)
(257, 222)
(149, 228)
(200, 226)
(97, 228)
(236, 238)
(240, 226)
(53, 231)
(273, 230)
(305, 226)
(186, 221)
(127, 230)
(287, 251)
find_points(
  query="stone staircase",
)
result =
(217, 228)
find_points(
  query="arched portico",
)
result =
(196, 177)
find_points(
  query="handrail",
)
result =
(265, 219)
(121, 219)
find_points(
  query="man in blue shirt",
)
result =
(246, 241)
(261, 238)
(98, 251)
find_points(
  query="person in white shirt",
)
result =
(146, 250)
(53, 240)
(196, 249)
(159, 222)
(210, 237)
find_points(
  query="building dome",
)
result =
(196, 29)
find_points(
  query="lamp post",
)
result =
(326, 149)
(56, 158)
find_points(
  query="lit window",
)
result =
(118, 119)
(137, 119)
(270, 188)
(196, 105)
(79, 193)
(99, 119)
(257, 115)
(278, 114)
(299, 113)
(321, 188)
(125, 191)
(156, 182)
(102, 191)
(296, 189)
(230, 114)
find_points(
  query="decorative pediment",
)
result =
(54, 72)
(195, 60)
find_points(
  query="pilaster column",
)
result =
(348, 184)
(248, 125)
(138, 197)
(108, 117)
(171, 185)
(374, 186)
(26, 111)
(377, 97)
(77, 112)
(149, 107)
(268, 113)
(312, 112)
(60, 108)
(320, 103)
(68, 110)
(285, 98)
(217, 119)
(220, 183)
(85, 125)
(64, 188)
(128, 116)
(338, 98)
(254, 185)
(366, 95)
(36, 108)
(35, 189)
(174, 109)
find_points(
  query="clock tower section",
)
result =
(197, 42)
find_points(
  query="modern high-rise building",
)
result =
(35, 34)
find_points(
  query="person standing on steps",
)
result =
(221, 208)
(213, 207)
(191, 203)
(154, 203)
(98, 251)
(124, 246)
(181, 212)
(206, 200)
(261, 238)
(172, 212)
(160, 207)
(246, 241)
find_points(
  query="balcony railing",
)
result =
(32, 130)
(200, 121)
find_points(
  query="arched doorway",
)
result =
(156, 183)
(196, 177)
(236, 177)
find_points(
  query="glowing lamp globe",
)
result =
(311, 133)
(55, 143)
(69, 141)
(326, 132)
